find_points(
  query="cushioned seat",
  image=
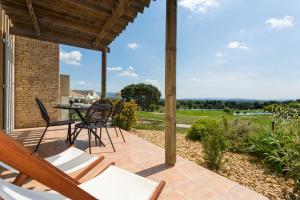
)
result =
(68, 161)
(129, 187)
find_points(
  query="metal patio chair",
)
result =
(116, 112)
(46, 117)
(96, 117)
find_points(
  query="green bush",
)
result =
(237, 133)
(228, 111)
(152, 107)
(214, 147)
(277, 148)
(202, 127)
(127, 117)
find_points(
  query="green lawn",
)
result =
(189, 116)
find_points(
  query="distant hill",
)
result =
(234, 99)
(108, 94)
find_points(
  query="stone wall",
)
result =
(36, 75)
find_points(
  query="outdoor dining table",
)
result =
(78, 108)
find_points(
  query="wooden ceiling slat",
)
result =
(33, 17)
(119, 10)
(54, 38)
(94, 7)
(65, 8)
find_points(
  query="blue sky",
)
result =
(226, 49)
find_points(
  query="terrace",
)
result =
(95, 25)
(185, 180)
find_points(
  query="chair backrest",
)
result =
(99, 111)
(118, 108)
(43, 110)
(35, 167)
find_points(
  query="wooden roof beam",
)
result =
(33, 17)
(51, 37)
(119, 10)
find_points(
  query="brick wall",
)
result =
(36, 75)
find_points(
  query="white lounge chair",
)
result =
(112, 183)
(69, 161)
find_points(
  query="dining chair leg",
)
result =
(97, 138)
(37, 146)
(75, 134)
(96, 143)
(100, 132)
(69, 134)
(122, 134)
(89, 134)
(110, 139)
(116, 131)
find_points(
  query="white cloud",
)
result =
(219, 55)
(114, 68)
(242, 31)
(81, 82)
(238, 45)
(133, 45)
(128, 73)
(220, 58)
(284, 22)
(70, 58)
(152, 82)
(195, 79)
(199, 6)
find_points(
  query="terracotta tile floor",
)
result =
(185, 180)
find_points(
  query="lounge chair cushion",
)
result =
(68, 161)
(115, 184)
(10, 191)
(112, 184)
(71, 160)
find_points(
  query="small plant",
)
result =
(228, 111)
(127, 117)
(152, 107)
(237, 133)
(202, 127)
(214, 147)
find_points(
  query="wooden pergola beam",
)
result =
(57, 38)
(103, 74)
(119, 10)
(170, 82)
(33, 17)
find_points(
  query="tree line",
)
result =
(148, 98)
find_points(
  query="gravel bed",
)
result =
(241, 168)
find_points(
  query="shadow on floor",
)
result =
(154, 170)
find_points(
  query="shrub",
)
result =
(295, 167)
(277, 148)
(127, 117)
(202, 127)
(83, 101)
(214, 147)
(237, 133)
(152, 107)
(228, 111)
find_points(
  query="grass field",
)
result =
(189, 116)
